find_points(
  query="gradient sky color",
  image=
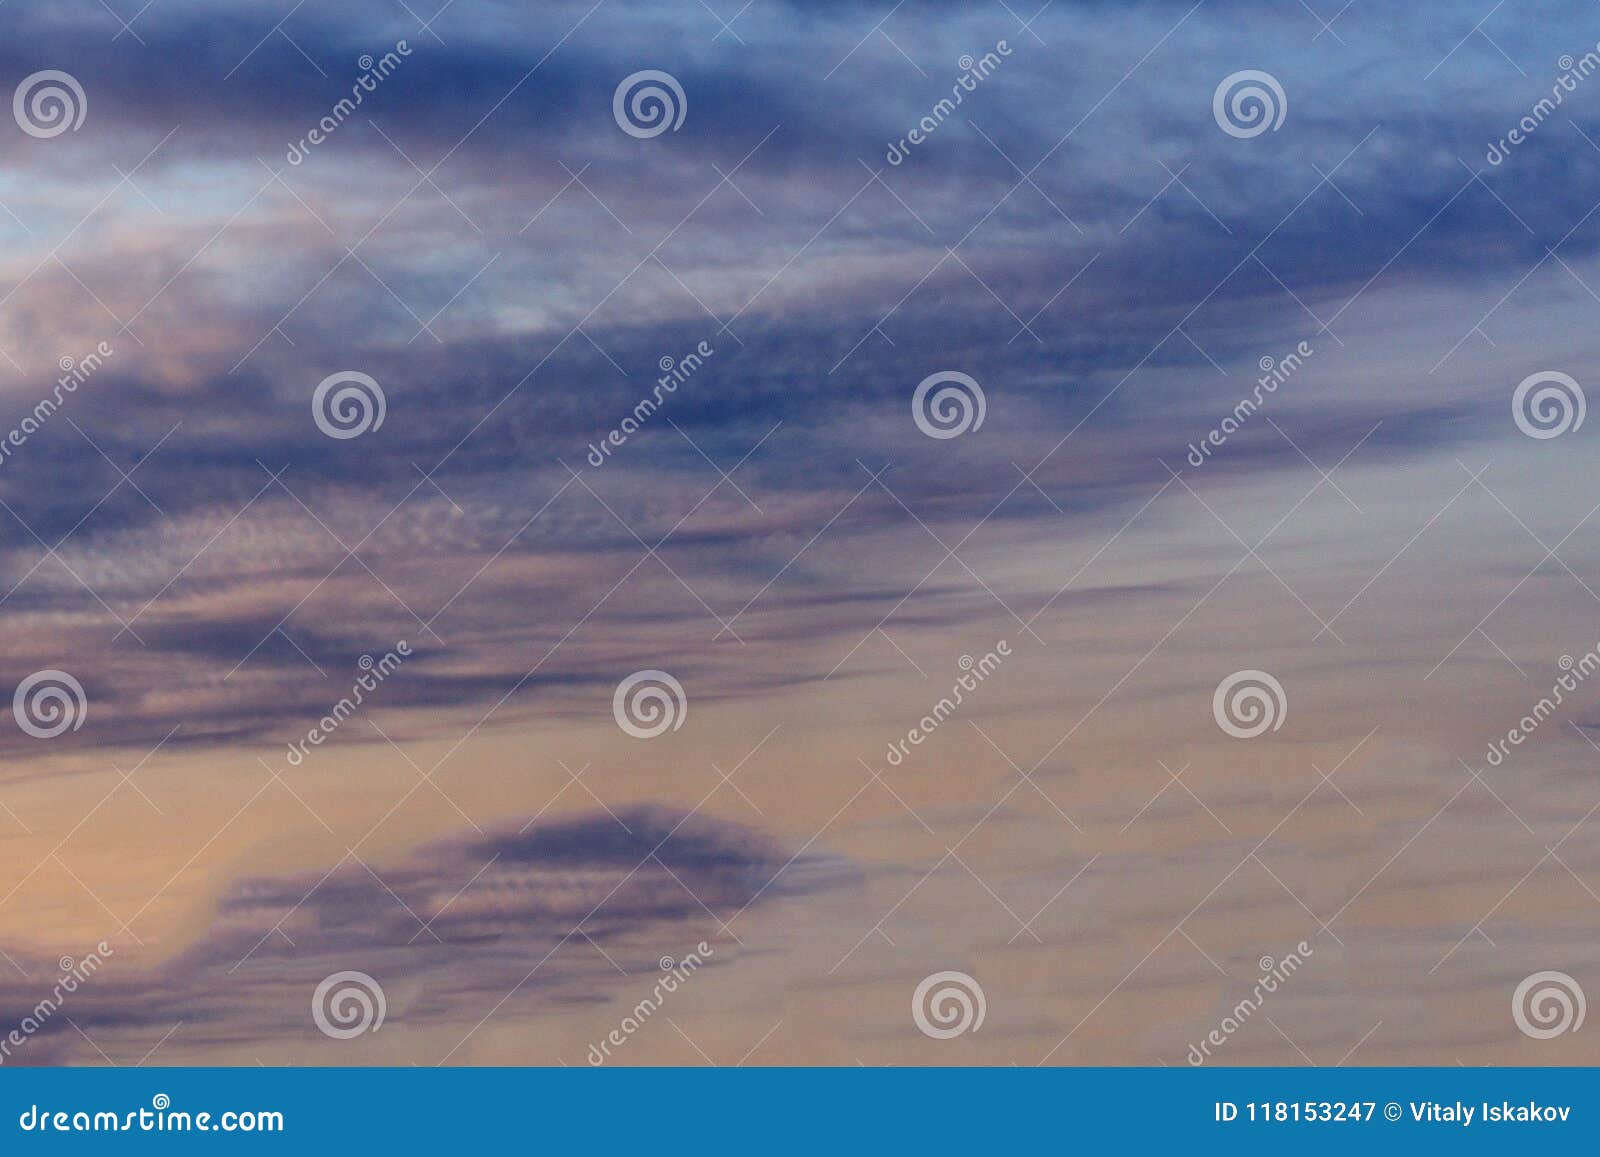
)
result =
(1085, 239)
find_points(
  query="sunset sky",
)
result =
(1094, 243)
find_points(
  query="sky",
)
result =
(957, 533)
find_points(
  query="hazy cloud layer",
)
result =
(450, 934)
(443, 241)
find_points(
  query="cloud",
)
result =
(515, 304)
(448, 933)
